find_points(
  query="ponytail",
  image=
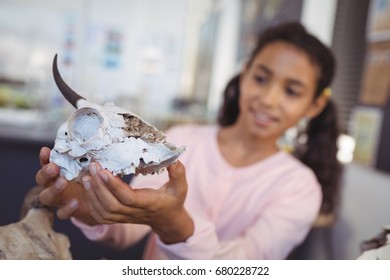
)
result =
(320, 154)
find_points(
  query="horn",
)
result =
(66, 91)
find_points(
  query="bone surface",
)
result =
(116, 138)
(33, 238)
(377, 248)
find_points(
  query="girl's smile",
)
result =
(263, 119)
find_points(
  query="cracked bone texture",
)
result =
(117, 139)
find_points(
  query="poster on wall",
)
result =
(379, 21)
(366, 128)
(113, 48)
(376, 79)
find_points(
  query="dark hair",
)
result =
(320, 150)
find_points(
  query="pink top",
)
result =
(260, 211)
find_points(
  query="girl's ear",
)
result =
(317, 106)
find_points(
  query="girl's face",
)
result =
(277, 90)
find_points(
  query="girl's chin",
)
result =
(264, 132)
(258, 131)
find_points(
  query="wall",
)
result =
(149, 61)
(318, 17)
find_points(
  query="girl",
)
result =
(246, 199)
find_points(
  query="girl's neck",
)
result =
(240, 148)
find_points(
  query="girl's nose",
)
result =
(270, 97)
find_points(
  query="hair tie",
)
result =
(327, 92)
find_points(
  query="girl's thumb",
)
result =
(177, 176)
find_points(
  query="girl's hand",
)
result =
(107, 199)
(113, 201)
(67, 196)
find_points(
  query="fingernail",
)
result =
(87, 183)
(92, 169)
(59, 184)
(46, 152)
(49, 170)
(74, 203)
(104, 177)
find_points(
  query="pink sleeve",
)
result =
(278, 229)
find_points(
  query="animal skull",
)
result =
(117, 139)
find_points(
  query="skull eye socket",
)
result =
(84, 124)
(83, 160)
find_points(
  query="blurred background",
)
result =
(169, 61)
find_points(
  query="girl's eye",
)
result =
(292, 92)
(260, 79)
